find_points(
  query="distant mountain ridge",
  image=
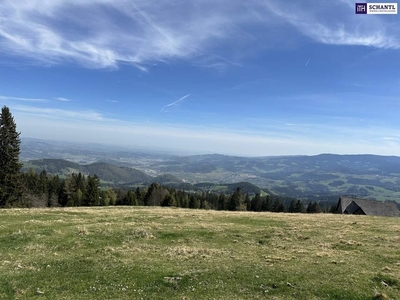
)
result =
(364, 163)
(308, 177)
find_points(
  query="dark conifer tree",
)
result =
(247, 202)
(310, 207)
(43, 182)
(211, 201)
(80, 181)
(10, 176)
(332, 209)
(62, 194)
(292, 206)
(184, 201)
(267, 204)
(139, 196)
(69, 192)
(256, 203)
(154, 195)
(169, 200)
(55, 189)
(194, 201)
(313, 207)
(30, 181)
(281, 207)
(130, 198)
(91, 197)
(120, 195)
(203, 201)
(52, 186)
(300, 207)
(278, 206)
(236, 201)
(221, 201)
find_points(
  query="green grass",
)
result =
(161, 253)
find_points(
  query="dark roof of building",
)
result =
(347, 205)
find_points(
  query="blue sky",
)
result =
(250, 78)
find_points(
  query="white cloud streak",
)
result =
(62, 99)
(105, 33)
(174, 103)
(37, 100)
(60, 114)
(343, 27)
(4, 98)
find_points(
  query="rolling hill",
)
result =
(318, 177)
(104, 171)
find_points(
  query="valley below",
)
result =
(321, 178)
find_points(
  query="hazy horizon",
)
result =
(169, 151)
(254, 78)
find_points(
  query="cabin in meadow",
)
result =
(354, 206)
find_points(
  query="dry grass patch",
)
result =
(156, 253)
(186, 252)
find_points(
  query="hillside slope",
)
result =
(318, 177)
(104, 171)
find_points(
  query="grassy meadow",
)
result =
(164, 253)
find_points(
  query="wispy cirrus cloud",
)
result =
(335, 23)
(38, 100)
(174, 103)
(62, 99)
(23, 99)
(105, 33)
(60, 114)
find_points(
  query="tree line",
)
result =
(30, 189)
(46, 190)
(42, 190)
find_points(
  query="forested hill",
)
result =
(105, 171)
(308, 177)
(126, 177)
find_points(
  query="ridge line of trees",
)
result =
(43, 190)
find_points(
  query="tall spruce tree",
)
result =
(300, 207)
(256, 203)
(221, 201)
(10, 176)
(92, 192)
(236, 201)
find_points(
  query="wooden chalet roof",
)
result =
(347, 205)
